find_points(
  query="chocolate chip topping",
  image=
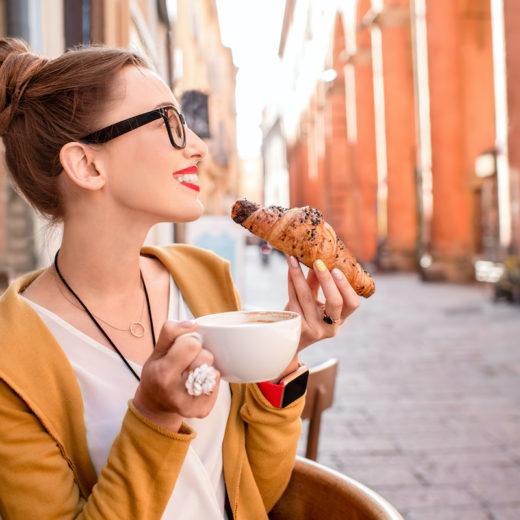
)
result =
(312, 215)
(242, 209)
(275, 211)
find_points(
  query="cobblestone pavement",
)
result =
(427, 403)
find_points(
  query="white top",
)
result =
(106, 386)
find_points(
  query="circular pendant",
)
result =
(137, 329)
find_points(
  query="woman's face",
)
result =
(143, 169)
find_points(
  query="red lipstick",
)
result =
(190, 185)
(189, 169)
(188, 177)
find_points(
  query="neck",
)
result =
(102, 261)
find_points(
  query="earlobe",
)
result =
(77, 160)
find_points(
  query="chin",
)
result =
(188, 213)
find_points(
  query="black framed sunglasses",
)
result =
(173, 121)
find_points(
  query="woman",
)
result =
(96, 349)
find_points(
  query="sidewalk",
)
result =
(427, 408)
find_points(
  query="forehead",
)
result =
(137, 90)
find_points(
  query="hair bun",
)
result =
(18, 66)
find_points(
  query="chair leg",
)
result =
(314, 425)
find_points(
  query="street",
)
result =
(427, 402)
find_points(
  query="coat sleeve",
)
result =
(271, 442)
(38, 480)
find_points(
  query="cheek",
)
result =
(136, 168)
(143, 180)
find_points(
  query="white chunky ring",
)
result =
(202, 380)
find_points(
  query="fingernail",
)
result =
(293, 261)
(336, 273)
(187, 324)
(320, 266)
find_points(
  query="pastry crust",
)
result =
(303, 233)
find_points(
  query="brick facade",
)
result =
(372, 185)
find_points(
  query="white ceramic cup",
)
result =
(251, 346)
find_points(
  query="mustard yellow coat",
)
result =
(45, 469)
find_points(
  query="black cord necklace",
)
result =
(98, 325)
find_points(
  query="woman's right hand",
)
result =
(161, 395)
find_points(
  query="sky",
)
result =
(251, 29)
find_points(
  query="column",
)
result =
(366, 164)
(399, 249)
(450, 218)
(512, 43)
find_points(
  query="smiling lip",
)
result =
(189, 169)
(190, 185)
(188, 177)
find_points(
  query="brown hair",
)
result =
(45, 104)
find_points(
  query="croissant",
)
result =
(303, 233)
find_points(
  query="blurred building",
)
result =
(400, 119)
(274, 154)
(204, 66)
(182, 41)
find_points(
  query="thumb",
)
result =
(170, 331)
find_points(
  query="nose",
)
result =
(195, 146)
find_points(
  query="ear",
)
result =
(77, 160)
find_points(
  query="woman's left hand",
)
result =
(340, 300)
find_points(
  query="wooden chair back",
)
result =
(316, 491)
(320, 396)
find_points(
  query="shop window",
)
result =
(195, 109)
